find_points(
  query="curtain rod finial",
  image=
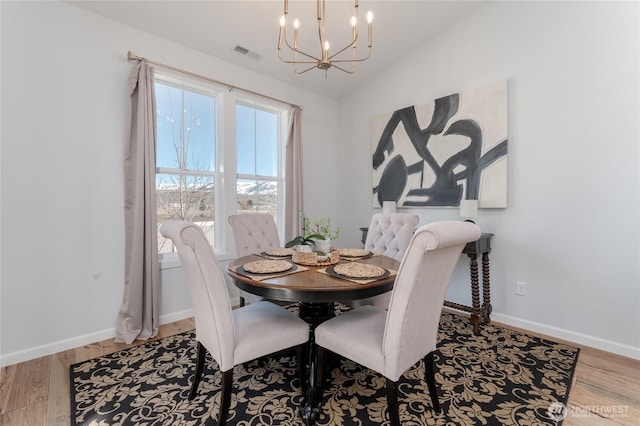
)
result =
(131, 56)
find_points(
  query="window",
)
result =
(198, 160)
(185, 157)
(257, 165)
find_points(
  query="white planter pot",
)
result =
(323, 246)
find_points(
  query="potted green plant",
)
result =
(322, 233)
(317, 233)
(300, 243)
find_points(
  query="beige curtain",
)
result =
(138, 316)
(293, 177)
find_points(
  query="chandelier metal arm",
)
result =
(349, 60)
(290, 61)
(354, 59)
(333, 64)
(350, 45)
(296, 50)
(322, 29)
(314, 66)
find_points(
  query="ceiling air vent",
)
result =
(246, 52)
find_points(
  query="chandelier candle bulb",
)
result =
(354, 29)
(281, 35)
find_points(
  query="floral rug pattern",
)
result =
(500, 377)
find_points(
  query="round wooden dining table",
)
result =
(316, 294)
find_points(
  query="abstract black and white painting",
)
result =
(445, 151)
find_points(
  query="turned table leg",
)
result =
(475, 293)
(480, 313)
(486, 289)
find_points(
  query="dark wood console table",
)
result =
(480, 314)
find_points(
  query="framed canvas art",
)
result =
(445, 151)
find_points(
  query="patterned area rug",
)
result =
(500, 377)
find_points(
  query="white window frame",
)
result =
(283, 118)
(225, 174)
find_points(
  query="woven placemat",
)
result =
(360, 280)
(262, 277)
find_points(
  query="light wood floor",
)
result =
(605, 390)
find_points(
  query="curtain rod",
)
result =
(133, 57)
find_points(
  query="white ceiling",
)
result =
(216, 27)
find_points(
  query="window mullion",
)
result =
(185, 172)
(258, 177)
(227, 153)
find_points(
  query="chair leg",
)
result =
(430, 376)
(301, 369)
(322, 369)
(225, 396)
(392, 402)
(201, 355)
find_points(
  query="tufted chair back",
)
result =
(390, 233)
(254, 233)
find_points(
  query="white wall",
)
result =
(64, 100)
(571, 229)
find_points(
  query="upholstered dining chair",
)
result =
(232, 337)
(392, 341)
(253, 233)
(389, 234)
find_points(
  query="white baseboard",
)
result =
(55, 347)
(176, 316)
(74, 342)
(571, 336)
(579, 338)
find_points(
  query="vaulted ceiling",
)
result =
(217, 27)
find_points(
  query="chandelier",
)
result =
(325, 59)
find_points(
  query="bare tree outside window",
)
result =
(185, 159)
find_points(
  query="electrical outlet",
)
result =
(521, 288)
